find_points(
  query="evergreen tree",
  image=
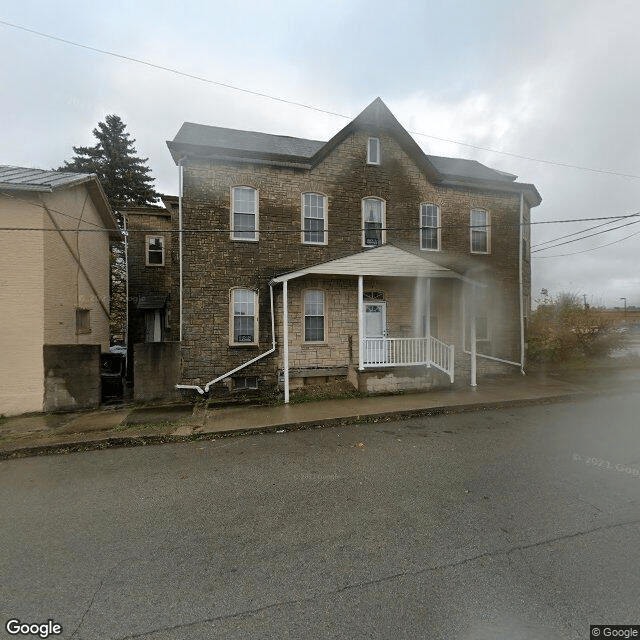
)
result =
(124, 177)
(126, 182)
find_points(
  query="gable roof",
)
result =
(219, 143)
(386, 260)
(43, 181)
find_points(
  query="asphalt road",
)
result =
(499, 525)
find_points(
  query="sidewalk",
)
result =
(133, 425)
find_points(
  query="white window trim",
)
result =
(384, 220)
(488, 231)
(147, 239)
(369, 160)
(325, 218)
(256, 312)
(232, 211)
(438, 229)
(304, 316)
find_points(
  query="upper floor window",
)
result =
(244, 325)
(373, 151)
(480, 234)
(314, 218)
(314, 316)
(155, 251)
(430, 227)
(244, 213)
(373, 222)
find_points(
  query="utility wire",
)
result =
(591, 235)
(575, 233)
(308, 106)
(575, 253)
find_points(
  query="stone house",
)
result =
(54, 288)
(360, 258)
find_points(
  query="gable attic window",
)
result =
(244, 214)
(373, 214)
(155, 251)
(314, 218)
(373, 151)
(83, 320)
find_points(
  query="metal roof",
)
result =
(461, 168)
(27, 179)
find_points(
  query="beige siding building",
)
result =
(54, 275)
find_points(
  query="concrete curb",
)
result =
(109, 442)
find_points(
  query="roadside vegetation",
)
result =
(564, 330)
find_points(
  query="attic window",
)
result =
(373, 151)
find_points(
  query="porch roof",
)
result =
(386, 260)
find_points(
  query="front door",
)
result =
(375, 330)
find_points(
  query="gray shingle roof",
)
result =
(251, 141)
(37, 179)
(235, 140)
(460, 168)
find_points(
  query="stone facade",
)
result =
(214, 263)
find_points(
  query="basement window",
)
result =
(242, 384)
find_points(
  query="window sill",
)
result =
(243, 344)
(244, 239)
(432, 250)
(154, 265)
(309, 344)
(480, 253)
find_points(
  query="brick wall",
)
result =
(213, 263)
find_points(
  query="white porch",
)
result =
(414, 346)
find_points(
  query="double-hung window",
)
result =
(373, 218)
(373, 151)
(314, 218)
(244, 316)
(244, 213)
(314, 316)
(430, 227)
(480, 235)
(155, 251)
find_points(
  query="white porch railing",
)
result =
(394, 352)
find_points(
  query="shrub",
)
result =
(563, 329)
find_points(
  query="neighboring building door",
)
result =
(153, 321)
(375, 329)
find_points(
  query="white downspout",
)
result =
(472, 338)
(285, 339)
(180, 191)
(126, 288)
(521, 286)
(360, 324)
(202, 391)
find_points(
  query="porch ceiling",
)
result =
(382, 261)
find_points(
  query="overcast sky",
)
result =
(553, 80)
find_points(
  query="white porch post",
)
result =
(360, 324)
(285, 340)
(428, 319)
(472, 338)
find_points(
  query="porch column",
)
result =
(427, 312)
(472, 338)
(285, 340)
(360, 324)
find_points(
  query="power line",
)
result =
(591, 235)
(575, 253)
(308, 106)
(575, 233)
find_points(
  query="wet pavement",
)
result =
(130, 425)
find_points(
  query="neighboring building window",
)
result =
(373, 295)
(373, 151)
(244, 216)
(155, 251)
(244, 325)
(314, 218)
(83, 321)
(153, 325)
(479, 231)
(314, 316)
(430, 227)
(373, 215)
